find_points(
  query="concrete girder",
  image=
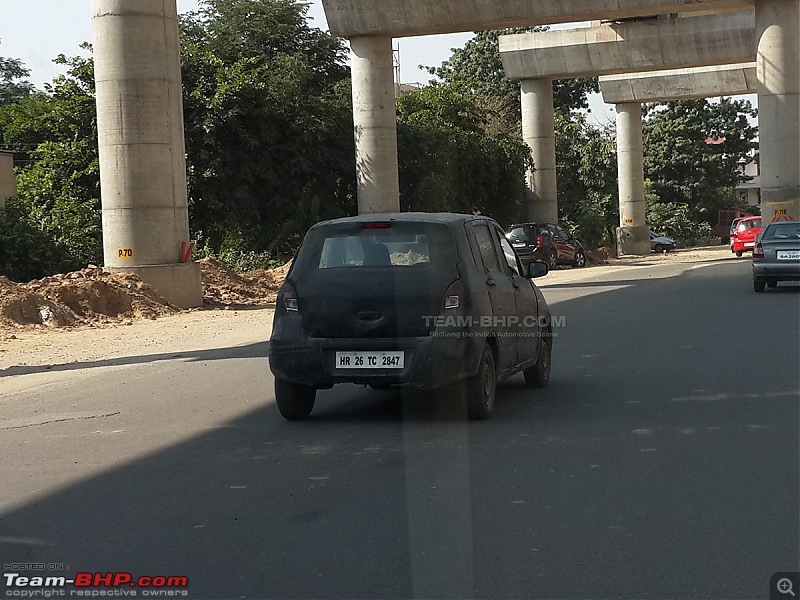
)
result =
(680, 84)
(404, 18)
(630, 47)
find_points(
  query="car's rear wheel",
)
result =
(580, 259)
(659, 249)
(539, 374)
(739, 253)
(295, 401)
(758, 286)
(552, 259)
(772, 284)
(482, 387)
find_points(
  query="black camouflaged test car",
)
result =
(422, 299)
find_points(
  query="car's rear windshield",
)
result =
(748, 224)
(521, 233)
(782, 231)
(391, 245)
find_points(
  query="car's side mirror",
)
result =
(537, 269)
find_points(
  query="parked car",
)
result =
(661, 243)
(744, 237)
(422, 299)
(734, 223)
(776, 255)
(546, 242)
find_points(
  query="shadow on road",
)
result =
(646, 457)
(249, 351)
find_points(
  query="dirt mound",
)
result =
(94, 296)
(89, 296)
(224, 287)
(19, 306)
(600, 256)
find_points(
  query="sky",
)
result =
(36, 31)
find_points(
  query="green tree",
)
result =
(268, 124)
(54, 134)
(693, 150)
(583, 153)
(587, 179)
(455, 155)
(479, 68)
(13, 84)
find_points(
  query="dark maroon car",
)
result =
(546, 242)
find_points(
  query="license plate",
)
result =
(788, 254)
(519, 245)
(370, 360)
(749, 244)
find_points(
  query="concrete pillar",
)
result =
(141, 144)
(8, 181)
(538, 132)
(375, 123)
(633, 235)
(778, 70)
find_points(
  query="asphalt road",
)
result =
(661, 462)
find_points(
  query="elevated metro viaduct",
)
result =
(536, 59)
(628, 92)
(141, 143)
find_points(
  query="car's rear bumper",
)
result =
(789, 271)
(528, 256)
(431, 361)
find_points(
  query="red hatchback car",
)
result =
(744, 237)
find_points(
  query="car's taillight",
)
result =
(758, 251)
(452, 297)
(289, 298)
(540, 240)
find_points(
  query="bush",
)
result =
(233, 253)
(27, 252)
(674, 220)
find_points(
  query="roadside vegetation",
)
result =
(270, 146)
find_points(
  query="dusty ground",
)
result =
(226, 321)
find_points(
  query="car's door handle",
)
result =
(490, 281)
(514, 283)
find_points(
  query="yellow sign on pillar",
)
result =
(786, 210)
(125, 253)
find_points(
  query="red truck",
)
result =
(725, 223)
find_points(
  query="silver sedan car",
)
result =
(776, 255)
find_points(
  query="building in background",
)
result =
(8, 181)
(751, 189)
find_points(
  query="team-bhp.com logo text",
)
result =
(495, 321)
(465, 326)
(95, 585)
